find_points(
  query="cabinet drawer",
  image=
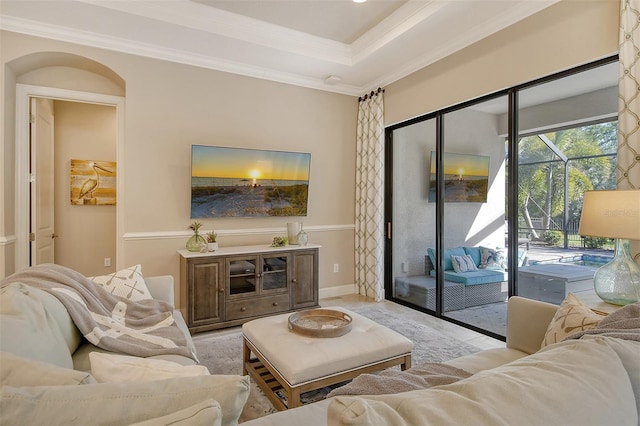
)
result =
(256, 306)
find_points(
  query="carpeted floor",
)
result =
(221, 352)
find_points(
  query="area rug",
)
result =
(221, 352)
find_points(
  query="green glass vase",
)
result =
(196, 243)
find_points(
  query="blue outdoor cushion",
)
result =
(475, 254)
(448, 266)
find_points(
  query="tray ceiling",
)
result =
(333, 45)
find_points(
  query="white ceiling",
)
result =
(301, 42)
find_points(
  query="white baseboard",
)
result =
(336, 291)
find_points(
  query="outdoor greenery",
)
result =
(589, 158)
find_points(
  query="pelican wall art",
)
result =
(93, 182)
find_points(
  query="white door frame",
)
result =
(23, 93)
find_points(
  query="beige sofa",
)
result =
(593, 380)
(47, 375)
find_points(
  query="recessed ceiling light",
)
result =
(358, 1)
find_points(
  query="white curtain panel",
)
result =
(628, 173)
(369, 234)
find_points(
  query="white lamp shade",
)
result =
(611, 214)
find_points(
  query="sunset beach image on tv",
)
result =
(239, 182)
(466, 178)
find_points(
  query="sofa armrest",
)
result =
(527, 322)
(161, 288)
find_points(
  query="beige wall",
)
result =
(168, 108)
(86, 234)
(564, 35)
(171, 106)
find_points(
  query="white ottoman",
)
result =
(297, 364)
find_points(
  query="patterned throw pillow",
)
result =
(493, 259)
(463, 263)
(128, 283)
(571, 317)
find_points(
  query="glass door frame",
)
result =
(511, 192)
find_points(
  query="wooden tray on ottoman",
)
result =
(320, 323)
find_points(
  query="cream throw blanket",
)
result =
(393, 381)
(113, 323)
(624, 323)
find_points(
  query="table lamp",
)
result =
(614, 214)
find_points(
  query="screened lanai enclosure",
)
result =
(484, 198)
(554, 170)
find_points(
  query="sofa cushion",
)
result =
(123, 368)
(463, 263)
(588, 381)
(28, 329)
(111, 403)
(456, 251)
(480, 276)
(205, 413)
(475, 254)
(571, 317)
(57, 310)
(486, 359)
(128, 283)
(19, 371)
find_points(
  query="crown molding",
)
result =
(85, 38)
(216, 23)
(227, 24)
(473, 35)
(399, 22)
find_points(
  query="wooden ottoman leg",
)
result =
(246, 356)
(407, 363)
(294, 398)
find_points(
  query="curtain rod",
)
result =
(371, 95)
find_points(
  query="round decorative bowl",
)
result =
(320, 323)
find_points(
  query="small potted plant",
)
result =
(279, 242)
(196, 242)
(212, 244)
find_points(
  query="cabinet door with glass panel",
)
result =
(259, 274)
(275, 273)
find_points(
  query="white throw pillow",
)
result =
(571, 317)
(128, 283)
(463, 263)
(108, 368)
(493, 259)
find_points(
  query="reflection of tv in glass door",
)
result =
(466, 178)
(239, 182)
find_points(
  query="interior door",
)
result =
(42, 182)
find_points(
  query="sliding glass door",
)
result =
(413, 215)
(474, 214)
(478, 192)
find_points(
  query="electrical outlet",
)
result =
(107, 261)
(336, 267)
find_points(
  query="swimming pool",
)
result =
(595, 260)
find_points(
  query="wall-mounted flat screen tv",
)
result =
(239, 182)
(466, 178)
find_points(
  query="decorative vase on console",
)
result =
(293, 229)
(303, 238)
(196, 242)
